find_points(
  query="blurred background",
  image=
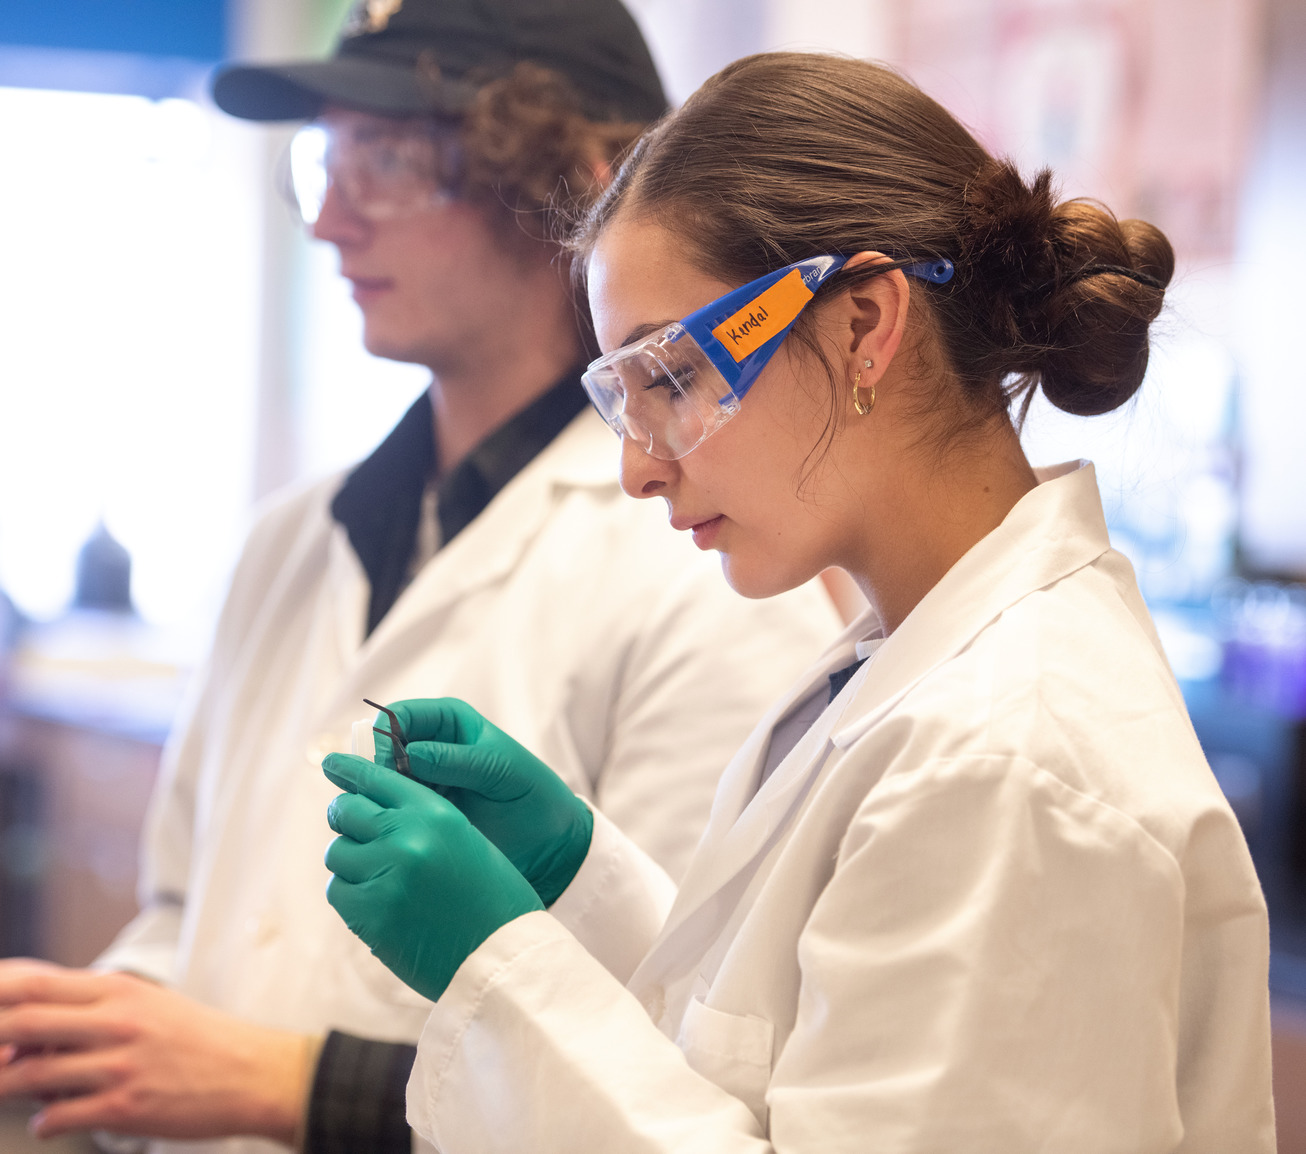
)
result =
(173, 348)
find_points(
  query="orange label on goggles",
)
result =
(765, 315)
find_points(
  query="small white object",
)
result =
(361, 739)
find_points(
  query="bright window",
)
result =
(127, 368)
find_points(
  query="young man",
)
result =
(483, 551)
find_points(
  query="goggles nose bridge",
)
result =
(631, 428)
(662, 393)
(645, 441)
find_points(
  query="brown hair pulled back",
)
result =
(785, 156)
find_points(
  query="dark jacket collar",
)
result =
(380, 503)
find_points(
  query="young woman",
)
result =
(970, 886)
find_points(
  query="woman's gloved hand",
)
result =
(413, 878)
(507, 792)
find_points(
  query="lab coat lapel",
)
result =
(348, 589)
(744, 818)
(485, 552)
(291, 583)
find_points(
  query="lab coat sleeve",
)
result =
(534, 1046)
(617, 901)
(970, 898)
(704, 665)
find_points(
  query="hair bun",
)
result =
(1007, 244)
(1069, 291)
(1111, 283)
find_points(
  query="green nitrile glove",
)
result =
(413, 878)
(507, 792)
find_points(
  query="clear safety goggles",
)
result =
(382, 168)
(673, 389)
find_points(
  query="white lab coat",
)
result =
(993, 902)
(567, 613)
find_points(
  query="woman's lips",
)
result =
(704, 529)
(705, 532)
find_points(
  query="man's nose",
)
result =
(338, 222)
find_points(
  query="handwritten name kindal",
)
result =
(754, 320)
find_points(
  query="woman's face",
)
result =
(737, 492)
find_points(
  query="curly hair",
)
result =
(526, 152)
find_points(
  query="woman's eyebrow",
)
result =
(641, 331)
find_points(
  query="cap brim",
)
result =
(299, 91)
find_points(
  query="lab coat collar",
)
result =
(739, 783)
(379, 503)
(583, 455)
(1055, 529)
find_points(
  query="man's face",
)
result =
(430, 276)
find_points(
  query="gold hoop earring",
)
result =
(863, 407)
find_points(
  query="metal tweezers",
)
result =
(396, 735)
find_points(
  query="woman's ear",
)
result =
(876, 316)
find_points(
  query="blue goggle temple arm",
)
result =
(740, 374)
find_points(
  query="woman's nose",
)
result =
(642, 475)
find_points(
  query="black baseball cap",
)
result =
(414, 57)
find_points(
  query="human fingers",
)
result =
(36, 1026)
(92, 1111)
(354, 905)
(52, 1074)
(353, 862)
(357, 817)
(29, 980)
(488, 771)
(358, 775)
(172, 1068)
(445, 719)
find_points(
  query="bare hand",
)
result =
(115, 1052)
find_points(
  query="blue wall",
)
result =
(187, 28)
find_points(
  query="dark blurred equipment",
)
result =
(22, 861)
(1251, 721)
(104, 574)
(10, 621)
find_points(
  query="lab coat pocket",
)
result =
(732, 1050)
